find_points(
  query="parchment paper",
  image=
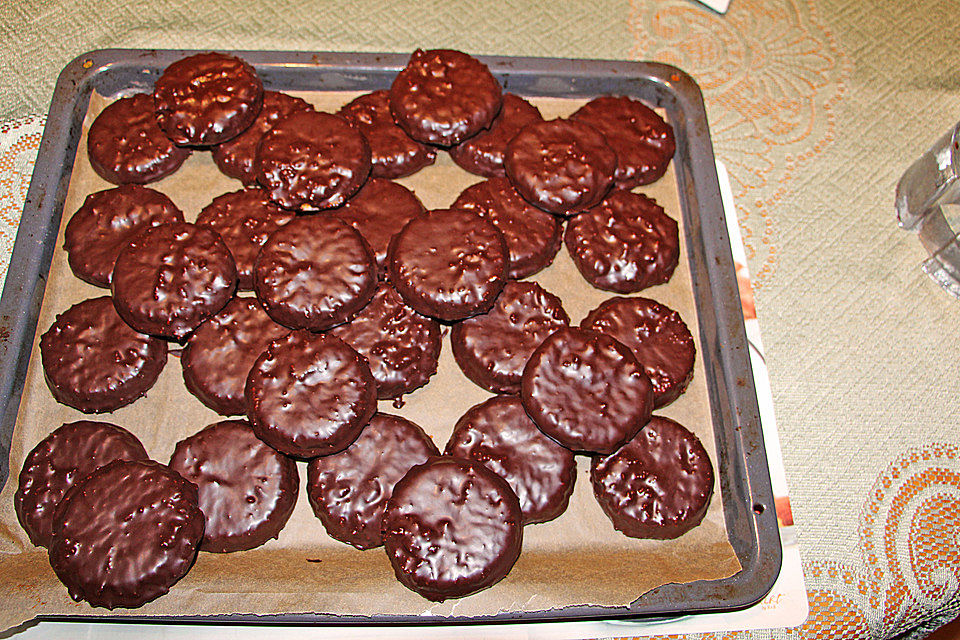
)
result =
(576, 559)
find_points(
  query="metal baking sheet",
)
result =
(741, 465)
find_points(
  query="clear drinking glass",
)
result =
(928, 200)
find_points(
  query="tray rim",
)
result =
(674, 90)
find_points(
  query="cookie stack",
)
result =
(349, 285)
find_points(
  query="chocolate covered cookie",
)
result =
(244, 219)
(500, 435)
(657, 335)
(349, 490)
(483, 153)
(311, 160)
(586, 391)
(126, 145)
(247, 490)
(625, 244)
(237, 157)
(218, 356)
(658, 485)
(493, 348)
(172, 277)
(310, 394)
(643, 142)
(443, 97)
(63, 458)
(451, 528)
(401, 346)
(314, 273)
(393, 153)
(533, 236)
(449, 264)
(378, 211)
(106, 222)
(125, 534)
(561, 166)
(207, 98)
(94, 362)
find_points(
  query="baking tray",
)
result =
(741, 465)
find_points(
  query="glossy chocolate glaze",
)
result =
(237, 157)
(94, 362)
(310, 394)
(625, 244)
(657, 335)
(483, 153)
(401, 346)
(207, 99)
(643, 142)
(493, 348)
(561, 166)
(586, 391)
(449, 264)
(247, 490)
(126, 534)
(314, 273)
(533, 236)
(106, 222)
(443, 97)
(244, 219)
(126, 145)
(63, 458)
(172, 277)
(451, 528)
(658, 485)
(311, 160)
(500, 435)
(378, 211)
(394, 154)
(218, 356)
(349, 490)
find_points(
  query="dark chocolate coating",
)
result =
(126, 145)
(378, 211)
(310, 394)
(311, 160)
(314, 273)
(237, 157)
(393, 153)
(586, 391)
(349, 490)
(94, 362)
(171, 278)
(207, 99)
(451, 528)
(218, 356)
(126, 534)
(443, 97)
(643, 142)
(533, 236)
(247, 489)
(500, 435)
(244, 219)
(401, 346)
(658, 485)
(657, 335)
(449, 264)
(493, 348)
(483, 153)
(63, 458)
(625, 244)
(561, 166)
(106, 222)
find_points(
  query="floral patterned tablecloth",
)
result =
(815, 107)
